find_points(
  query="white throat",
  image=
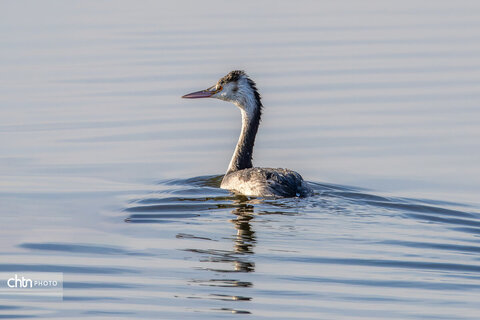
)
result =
(250, 110)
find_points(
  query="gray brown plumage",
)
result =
(241, 176)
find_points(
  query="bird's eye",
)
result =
(219, 88)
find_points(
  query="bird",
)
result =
(241, 177)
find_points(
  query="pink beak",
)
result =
(199, 94)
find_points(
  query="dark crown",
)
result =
(232, 76)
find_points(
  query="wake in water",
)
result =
(189, 198)
(342, 244)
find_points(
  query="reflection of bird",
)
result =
(241, 176)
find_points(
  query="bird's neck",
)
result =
(242, 157)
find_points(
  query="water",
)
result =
(107, 176)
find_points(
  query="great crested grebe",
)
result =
(241, 176)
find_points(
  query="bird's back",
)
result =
(267, 182)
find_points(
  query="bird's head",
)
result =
(235, 87)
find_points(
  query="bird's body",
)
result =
(266, 182)
(241, 176)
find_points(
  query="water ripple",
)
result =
(80, 248)
(12, 267)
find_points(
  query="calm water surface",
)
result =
(107, 176)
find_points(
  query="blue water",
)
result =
(108, 177)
